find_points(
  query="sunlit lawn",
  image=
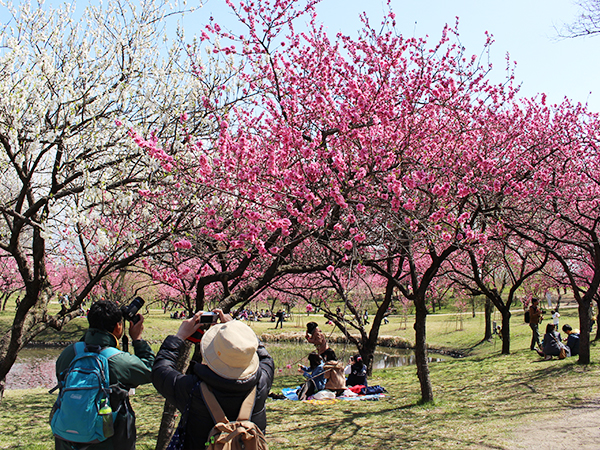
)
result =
(479, 399)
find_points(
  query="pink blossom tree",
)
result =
(551, 197)
(377, 151)
(9, 281)
(498, 272)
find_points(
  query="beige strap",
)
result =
(217, 412)
(247, 406)
(213, 405)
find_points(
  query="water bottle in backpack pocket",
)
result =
(82, 412)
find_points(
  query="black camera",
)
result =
(209, 317)
(130, 312)
(206, 318)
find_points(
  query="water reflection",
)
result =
(35, 366)
(385, 361)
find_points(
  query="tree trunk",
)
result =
(167, 423)
(28, 315)
(367, 354)
(421, 351)
(489, 307)
(369, 344)
(584, 326)
(597, 338)
(505, 331)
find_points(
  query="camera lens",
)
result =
(130, 312)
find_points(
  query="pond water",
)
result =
(35, 366)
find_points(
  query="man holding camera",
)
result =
(535, 318)
(126, 371)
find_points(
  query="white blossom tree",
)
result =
(72, 85)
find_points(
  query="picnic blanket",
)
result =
(290, 394)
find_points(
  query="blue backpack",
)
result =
(82, 411)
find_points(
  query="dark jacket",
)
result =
(126, 371)
(358, 375)
(551, 343)
(573, 343)
(230, 394)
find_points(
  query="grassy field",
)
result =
(479, 399)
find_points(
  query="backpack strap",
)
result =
(217, 412)
(109, 352)
(79, 348)
(212, 404)
(247, 406)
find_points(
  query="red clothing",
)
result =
(356, 389)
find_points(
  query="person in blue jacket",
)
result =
(314, 374)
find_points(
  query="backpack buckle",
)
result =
(93, 348)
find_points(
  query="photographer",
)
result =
(535, 318)
(233, 362)
(106, 327)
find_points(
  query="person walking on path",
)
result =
(555, 318)
(535, 318)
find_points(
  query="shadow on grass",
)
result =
(388, 427)
(72, 332)
(24, 421)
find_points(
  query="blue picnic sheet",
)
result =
(290, 394)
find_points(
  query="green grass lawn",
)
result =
(479, 399)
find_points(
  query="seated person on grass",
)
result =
(356, 371)
(572, 339)
(552, 343)
(315, 378)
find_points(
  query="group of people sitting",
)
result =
(325, 372)
(552, 344)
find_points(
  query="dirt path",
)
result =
(578, 428)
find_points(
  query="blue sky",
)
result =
(525, 29)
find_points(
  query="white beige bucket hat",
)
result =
(229, 349)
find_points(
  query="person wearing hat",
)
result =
(233, 362)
